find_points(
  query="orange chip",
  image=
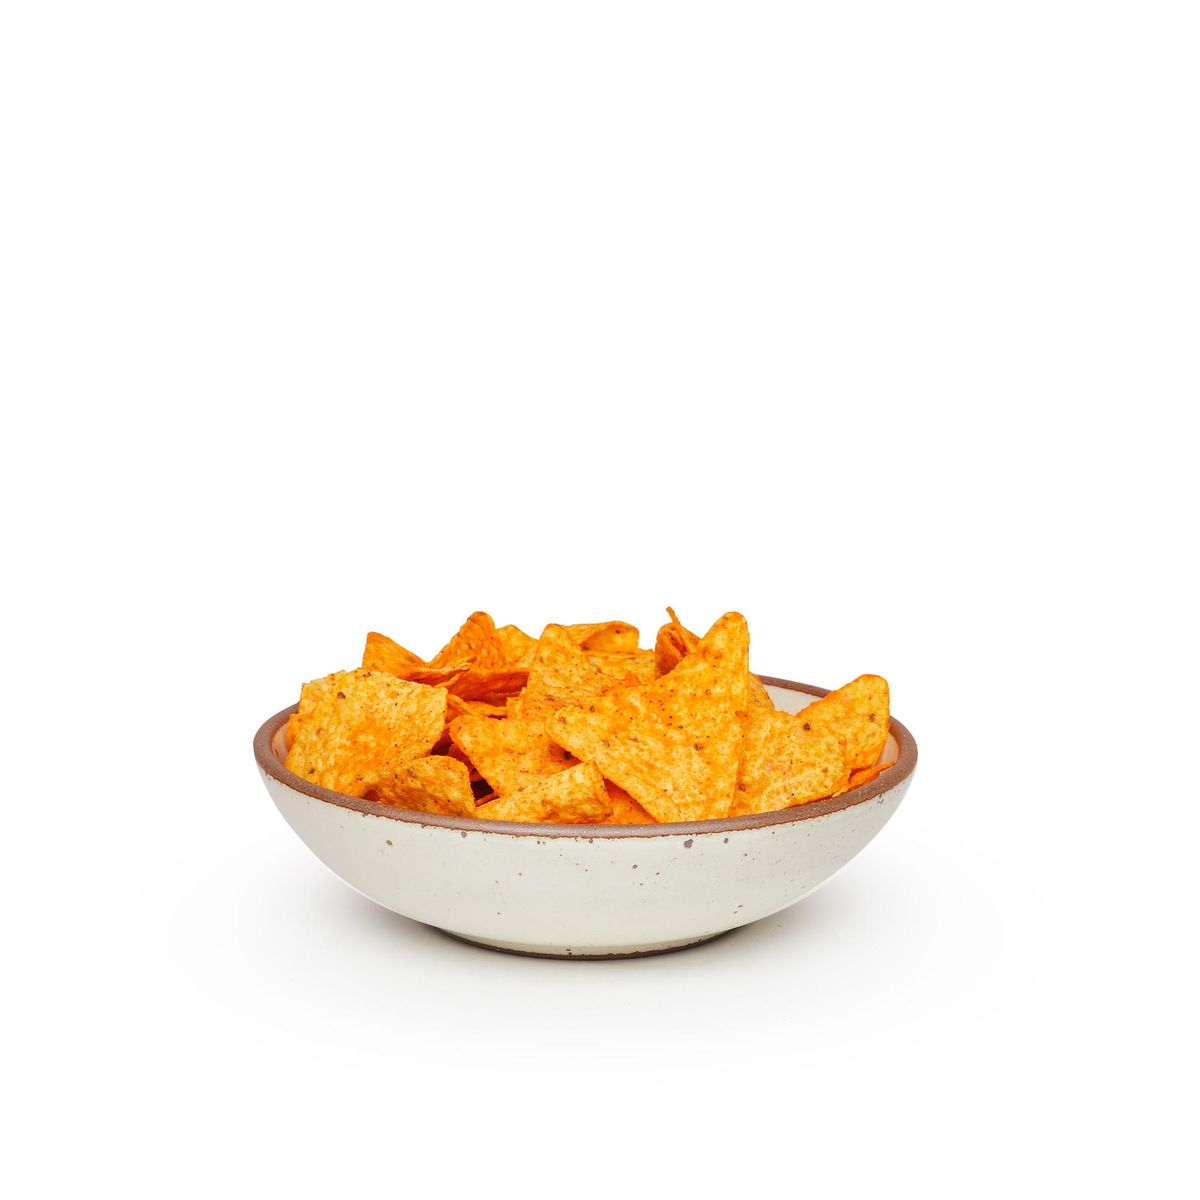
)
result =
(866, 774)
(607, 637)
(784, 764)
(576, 796)
(476, 642)
(561, 674)
(468, 679)
(436, 784)
(678, 733)
(453, 751)
(673, 744)
(382, 654)
(509, 753)
(858, 714)
(627, 668)
(625, 809)
(488, 683)
(458, 707)
(674, 643)
(518, 646)
(355, 724)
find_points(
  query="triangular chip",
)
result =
(518, 646)
(382, 654)
(674, 643)
(858, 714)
(476, 642)
(561, 674)
(508, 753)
(784, 764)
(353, 725)
(673, 744)
(576, 796)
(435, 784)
(465, 678)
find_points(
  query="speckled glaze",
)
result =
(586, 891)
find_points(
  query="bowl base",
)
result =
(592, 952)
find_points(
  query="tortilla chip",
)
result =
(561, 674)
(354, 725)
(509, 754)
(673, 744)
(436, 785)
(468, 679)
(674, 643)
(289, 734)
(453, 751)
(476, 643)
(576, 796)
(382, 654)
(858, 714)
(518, 646)
(628, 668)
(488, 683)
(607, 637)
(784, 764)
(456, 706)
(625, 809)
(866, 774)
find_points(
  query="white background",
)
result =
(876, 322)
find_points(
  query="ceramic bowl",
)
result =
(586, 891)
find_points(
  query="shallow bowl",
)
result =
(586, 891)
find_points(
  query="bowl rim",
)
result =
(904, 766)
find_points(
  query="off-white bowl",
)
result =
(586, 891)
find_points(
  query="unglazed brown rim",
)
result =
(884, 782)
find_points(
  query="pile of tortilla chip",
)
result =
(581, 726)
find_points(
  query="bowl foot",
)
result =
(593, 952)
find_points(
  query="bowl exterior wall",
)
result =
(578, 894)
